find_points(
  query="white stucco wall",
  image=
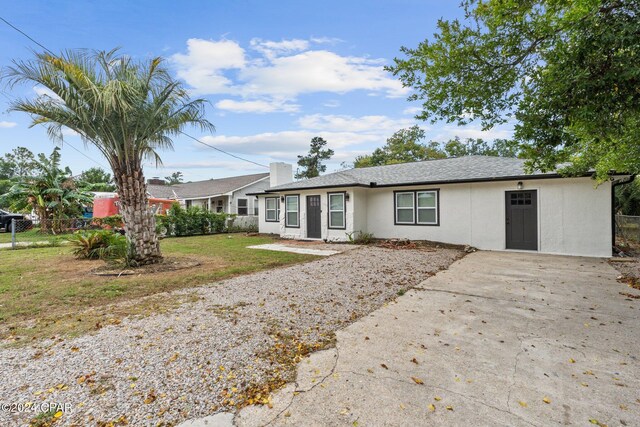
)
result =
(265, 226)
(574, 218)
(256, 187)
(333, 235)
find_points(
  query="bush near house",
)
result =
(190, 221)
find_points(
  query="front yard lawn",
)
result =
(46, 291)
(33, 235)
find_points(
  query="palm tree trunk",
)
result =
(139, 221)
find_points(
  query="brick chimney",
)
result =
(156, 181)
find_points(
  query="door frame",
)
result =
(306, 207)
(538, 220)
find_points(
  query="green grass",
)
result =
(33, 235)
(52, 290)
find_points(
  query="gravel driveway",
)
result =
(216, 352)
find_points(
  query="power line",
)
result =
(24, 34)
(184, 133)
(222, 151)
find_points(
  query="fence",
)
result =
(51, 232)
(628, 228)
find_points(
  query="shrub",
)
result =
(360, 238)
(190, 221)
(101, 244)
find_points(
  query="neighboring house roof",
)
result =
(458, 169)
(201, 189)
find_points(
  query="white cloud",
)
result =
(412, 110)
(281, 70)
(343, 123)
(203, 64)
(449, 132)
(348, 136)
(326, 40)
(271, 49)
(43, 91)
(332, 103)
(318, 71)
(7, 125)
(257, 106)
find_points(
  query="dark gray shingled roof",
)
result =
(197, 189)
(460, 169)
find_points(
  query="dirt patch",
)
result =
(629, 269)
(167, 264)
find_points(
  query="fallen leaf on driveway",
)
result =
(437, 398)
(449, 408)
(414, 360)
(417, 380)
(546, 400)
(431, 407)
(523, 404)
(384, 366)
(572, 361)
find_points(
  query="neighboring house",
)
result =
(486, 202)
(228, 195)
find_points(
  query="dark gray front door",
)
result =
(522, 219)
(313, 217)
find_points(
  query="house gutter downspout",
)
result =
(622, 181)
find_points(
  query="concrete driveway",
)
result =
(498, 339)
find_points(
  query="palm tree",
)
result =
(128, 110)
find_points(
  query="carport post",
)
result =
(13, 233)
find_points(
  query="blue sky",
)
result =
(276, 73)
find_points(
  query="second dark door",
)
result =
(522, 219)
(314, 217)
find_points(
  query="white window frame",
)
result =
(287, 211)
(435, 208)
(412, 208)
(343, 210)
(276, 209)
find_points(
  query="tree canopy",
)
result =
(174, 178)
(566, 72)
(311, 164)
(96, 179)
(51, 192)
(18, 163)
(405, 146)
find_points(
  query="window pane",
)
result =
(271, 215)
(292, 219)
(337, 219)
(405, 215)
(242, 203)
(271, 203)
(336, 202)
(427, 215)
(292, 203)
(427, 199)
(404, 200)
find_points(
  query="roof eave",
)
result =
(432, 182)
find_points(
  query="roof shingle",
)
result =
(198, 189)
(463, 169)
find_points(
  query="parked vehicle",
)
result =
(5, 221)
